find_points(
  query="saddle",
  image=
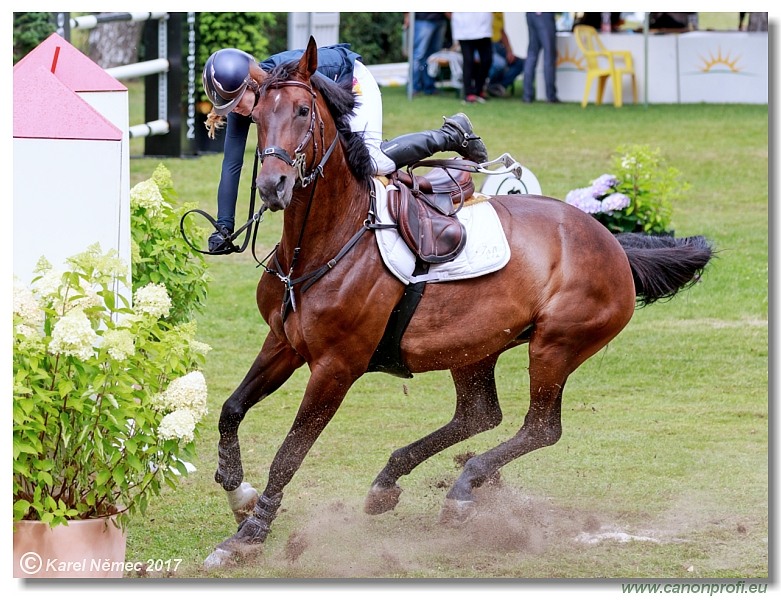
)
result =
(424, 208)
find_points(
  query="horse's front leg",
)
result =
(275, 363)
(325, 391)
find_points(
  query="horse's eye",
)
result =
(303, 111)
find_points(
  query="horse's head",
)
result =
(290, 129)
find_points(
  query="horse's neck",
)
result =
(338, 209)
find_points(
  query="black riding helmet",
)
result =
(225, 78)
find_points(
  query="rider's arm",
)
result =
(236, 133)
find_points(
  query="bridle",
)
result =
(299, 159)
(304, 177)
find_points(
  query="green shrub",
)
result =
(246, 31)
(376, 36)
(160, 254)
(107, 398)
(30, 29)
(651, 184)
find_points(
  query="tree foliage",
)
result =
(376, 36)
(244, 30)
(30, 29)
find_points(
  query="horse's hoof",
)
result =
(455, 513)
(242, 501)
(247, 541)
(230, 552)
(219, 558)
(381, 499)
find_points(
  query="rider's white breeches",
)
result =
(368, 117)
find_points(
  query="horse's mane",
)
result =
(340, 101)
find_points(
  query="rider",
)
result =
(225, 80)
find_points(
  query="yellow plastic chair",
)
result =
(602, 63)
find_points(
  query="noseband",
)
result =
(299, 159)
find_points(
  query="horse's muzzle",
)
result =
(276, 190)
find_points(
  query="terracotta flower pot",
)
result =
(88, 548)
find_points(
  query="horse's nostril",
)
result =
(281, 184)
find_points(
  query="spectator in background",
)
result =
(669, 21)
(472, 31)
(505, 66)
(428, 38)
(756, 21)
(542, 37)
(595, 20)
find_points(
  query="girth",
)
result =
(424, 208)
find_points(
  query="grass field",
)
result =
(662, 470)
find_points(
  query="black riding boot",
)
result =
(455, 135)
(219, 241)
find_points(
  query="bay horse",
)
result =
(569, 288)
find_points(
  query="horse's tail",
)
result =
(662, 265)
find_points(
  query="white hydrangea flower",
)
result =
(102, 266)
(152, 299)
(162, 177)
(26, 305)
(48, 286)
(200, 347)
(111, 265)
(158, 402)
(188, 392)
(147, 195)
(73, 336)
(42, 265)
(31, 339)
(178, 425)
(89, 299)
(119, 343)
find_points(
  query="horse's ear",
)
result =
(308, 63)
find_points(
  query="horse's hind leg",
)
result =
(275, 363)
(477, 410)
(549, 367)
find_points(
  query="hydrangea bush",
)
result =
(638, 194)
(107, 397)
(602, 200)
(159, 252)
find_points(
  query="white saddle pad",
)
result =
(486, 247)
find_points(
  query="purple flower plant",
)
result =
(603, 184)
(600, 197)
(615, 201)
(583, 198)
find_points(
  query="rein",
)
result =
(289, 300)
(298, 163)
(251, 226)
(305, 179)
